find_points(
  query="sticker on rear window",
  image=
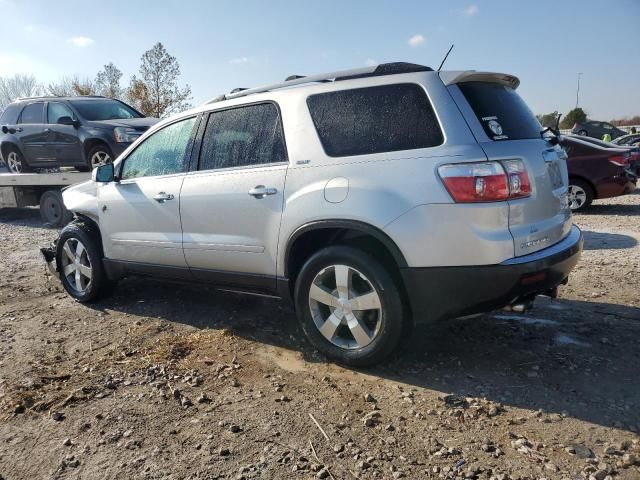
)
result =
(495, 127)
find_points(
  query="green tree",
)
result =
(156, 92)
(577, 115)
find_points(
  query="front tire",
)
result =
(580, 194)
(98, 155)
(349, 306)
(79, 262)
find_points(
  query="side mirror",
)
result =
(103, 173)
(68, 121)
(5, 129)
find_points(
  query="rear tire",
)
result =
(79, 262)
(349, 306)
(52, 209)
(580, 194)
(15, 161)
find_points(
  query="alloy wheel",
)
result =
(577, 197)
(345, 307)
(14, 163)
(76, 266)
(99, 158)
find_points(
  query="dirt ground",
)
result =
(182, 382)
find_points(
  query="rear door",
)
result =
(63, 144)
(30, 131)
(232, 206)
(506, 129)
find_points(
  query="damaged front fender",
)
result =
(81, 199)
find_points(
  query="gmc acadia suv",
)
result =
(371, 198)
(82, 132)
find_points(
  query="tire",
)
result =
(52, 209)
(356, 338)
(83, 288)
(582, 133)
(15, 161)
(580, 194)
(98, 155)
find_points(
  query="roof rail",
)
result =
(19, 99)
(364, 72)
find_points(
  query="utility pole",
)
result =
(578, 89)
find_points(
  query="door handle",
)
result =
(259, 191)
(19, 129)
(162, 197)
(46, 130)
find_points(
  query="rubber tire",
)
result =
(583, 133)
(392, 319)
(101, 147)
(25, 167)
(88, 234)
(587, 189)
(63, 216)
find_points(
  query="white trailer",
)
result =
(39, 189)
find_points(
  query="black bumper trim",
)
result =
(445, 292)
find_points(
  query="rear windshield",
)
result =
(96, 110)
(374, 120)
(501, 111)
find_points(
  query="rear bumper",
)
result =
(444, 292)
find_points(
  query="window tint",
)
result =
(32, 113)
(163, 153)
(238, 137)
(501, 111)
(96, 110)
(9, 115)
(374, 120)
(607, 126)
(57, 110)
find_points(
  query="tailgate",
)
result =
(505, 128)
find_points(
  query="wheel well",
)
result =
(380, 247)
(93, 142)
(588, 182)
(4, 149)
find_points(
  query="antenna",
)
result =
(445, 57)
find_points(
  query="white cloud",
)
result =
(29, 28)
(240, 60)
(370, 62)
(471, 10)
(417, 40)
(81, 42)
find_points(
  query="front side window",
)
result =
(98, 110)
(243, 136)
(55, 111)
(379, 119)
(162, 153)
(32, 113)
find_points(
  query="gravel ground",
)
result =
(172, 381)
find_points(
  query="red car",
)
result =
(597, 170)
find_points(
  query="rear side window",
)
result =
(243, 136)
(56, 111)
(32, 113)
(9, 115)
(379, 119)
(501, 111)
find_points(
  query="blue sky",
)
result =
(225, 44)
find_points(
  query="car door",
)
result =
(30, 131)
(140, 212)
(232, 205)
(63, 143)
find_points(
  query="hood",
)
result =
(82, 198)
(137, 123)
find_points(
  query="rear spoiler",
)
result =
(453, 77)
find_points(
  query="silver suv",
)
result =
(371, 198)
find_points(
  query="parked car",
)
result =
(633, 139)
(371, 198)
(595, 129)
(596, 171)
(82, 132)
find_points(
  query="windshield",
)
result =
(501, 111)
(96, 110)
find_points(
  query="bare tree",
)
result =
(156, 93)
(17, 86)
(108, 81)
(71, 86)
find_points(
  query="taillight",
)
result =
(485, 181)
(519, 185)
(620, 160)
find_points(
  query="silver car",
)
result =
(371, 198)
